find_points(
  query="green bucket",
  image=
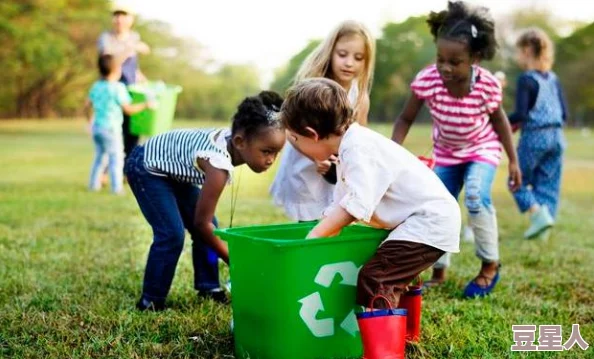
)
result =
(294, 298)
(151, 122)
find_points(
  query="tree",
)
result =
(284, 76)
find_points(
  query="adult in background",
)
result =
(124, 44)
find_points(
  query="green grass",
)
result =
(71, 263)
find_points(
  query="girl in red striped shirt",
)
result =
(469, 127)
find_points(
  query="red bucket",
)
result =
(383, 332)
(412, 301)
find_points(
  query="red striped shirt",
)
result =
(462, 129)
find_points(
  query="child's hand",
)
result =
(324, 166)
(151, 104)
(515, 176)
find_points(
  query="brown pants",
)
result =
(395, 264)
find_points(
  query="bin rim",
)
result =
(229, 233)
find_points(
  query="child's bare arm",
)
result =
(406, 118)
(206, 205)
(503, 130)
(131, 109)
(88, 110)
(332, 224)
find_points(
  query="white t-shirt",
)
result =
(384, 185)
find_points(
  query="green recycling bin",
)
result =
(294, 298)
(151, 122)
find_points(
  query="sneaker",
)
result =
(147, 305)
(540, 221)
(216, 295)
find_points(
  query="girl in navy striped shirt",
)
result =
(177, 179)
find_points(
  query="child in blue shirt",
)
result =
(107, 98)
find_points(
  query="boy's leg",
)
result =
(157, 201)
(98, 163)
(395, 264)
(205, 260)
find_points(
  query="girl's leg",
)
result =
(478, 181)
(156, 198)
(205, 260)
(98, 162)
(547, 177)
(452, 177)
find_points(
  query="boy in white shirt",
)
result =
(379, 183)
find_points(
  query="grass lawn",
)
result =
(71, 263)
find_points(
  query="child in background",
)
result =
(380, 183)
(107, 99)
(164, 175)
(347, 56)
(540, 113)
(469, 127)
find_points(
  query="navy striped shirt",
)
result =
(175, 153)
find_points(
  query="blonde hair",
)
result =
(317, 64)
(541, 46)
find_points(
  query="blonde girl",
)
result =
(302, 186)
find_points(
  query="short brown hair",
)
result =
(107, 64)
(319, 103)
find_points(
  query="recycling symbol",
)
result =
(312, 304)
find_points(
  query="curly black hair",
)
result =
(257, 112)
(462, 22)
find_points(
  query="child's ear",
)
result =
(313, 134)
(239, 142)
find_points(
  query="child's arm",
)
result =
(503, 130)
(363, 111)
(206, 205)
(406, 118)
(88, 110)
(331, 225)
(131, 109)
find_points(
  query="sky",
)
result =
(267, 33)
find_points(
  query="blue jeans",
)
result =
(108, 142)
(169, 208)
(477, 179)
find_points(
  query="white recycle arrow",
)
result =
(349, 324)
(347, 270)
(310, 307)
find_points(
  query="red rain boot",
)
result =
(383, 332)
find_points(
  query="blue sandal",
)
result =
(473, 289)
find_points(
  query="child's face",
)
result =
(348, 59)
(122, 22)
(260, 151)
(453, 61)
(311, 147)
(523, 57)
